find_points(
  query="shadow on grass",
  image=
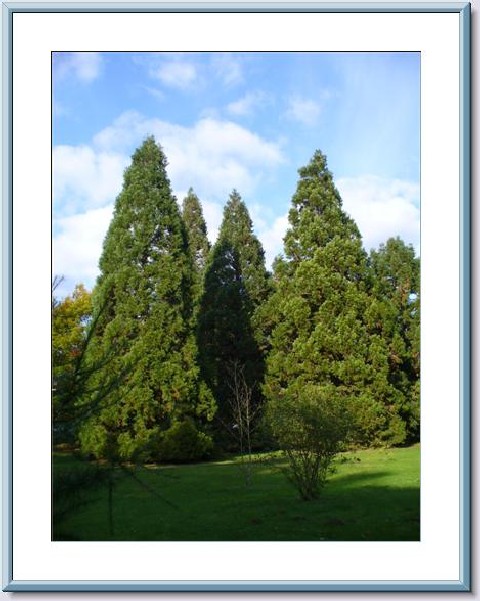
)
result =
(213, 504)
(362, 507)
(357, 480)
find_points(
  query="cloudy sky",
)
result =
(234, 120)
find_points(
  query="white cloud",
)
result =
(213, 156)
(126, 131)
(176, 74)
(228, 68)
(271, 237)
(303, 110)
(84, 178)
(213, 214)
(84, 66)
(247, 104)
(270, 229)
(158, 94)
(383, 208)
(78, 246)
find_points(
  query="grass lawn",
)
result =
(374, 495)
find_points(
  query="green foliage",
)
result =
(395, 317)
(155, 344)
(196, 230)
(77, 391)
(224, 331)
(310, 426)
(199, 247)
(145, 286)
(183, 443)
(237, 229)
(70, 317)
(236, 283)
(319, 334)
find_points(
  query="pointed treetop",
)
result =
(316, 216)
(237, 225)
(237, 229)
(235, 215)
(196, 229)
(144, 301)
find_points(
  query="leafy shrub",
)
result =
(310, 425)
(183, 443)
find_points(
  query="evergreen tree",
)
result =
(236, 283)
(198, 244)
(237, 228)
(395, 316)
(144, 305)
(196, 230)
(320, 337)
(225, 336)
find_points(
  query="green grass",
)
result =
(374, 495)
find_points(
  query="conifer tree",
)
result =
(198, 243)
(395, 315)
(196, 230)
(144, 294)
(237, 228)
(320, 337)
(236, 283)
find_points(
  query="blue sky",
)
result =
(234, 120)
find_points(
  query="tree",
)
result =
(199, 247)
(237, 228)
(225, 334)
(244, 413)
(70, 318)
(196, 230)
(143, 300)
(395, 316)
(319, 335)
(311, 425)
(236, 283)
(77, 395)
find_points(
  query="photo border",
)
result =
(464, 584)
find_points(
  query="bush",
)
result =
(183, 443)
(310, 425)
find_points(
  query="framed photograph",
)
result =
(109, 105)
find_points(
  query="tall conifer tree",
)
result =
(197, 240)
(196, 230)
(236, 283)
(395, 315)
(143, 297)
(237, 228)
(320, 336)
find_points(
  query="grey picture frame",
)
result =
(463, 9)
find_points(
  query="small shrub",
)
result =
(183, 443)
(310, 426)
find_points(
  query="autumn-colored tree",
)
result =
(70, 317)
